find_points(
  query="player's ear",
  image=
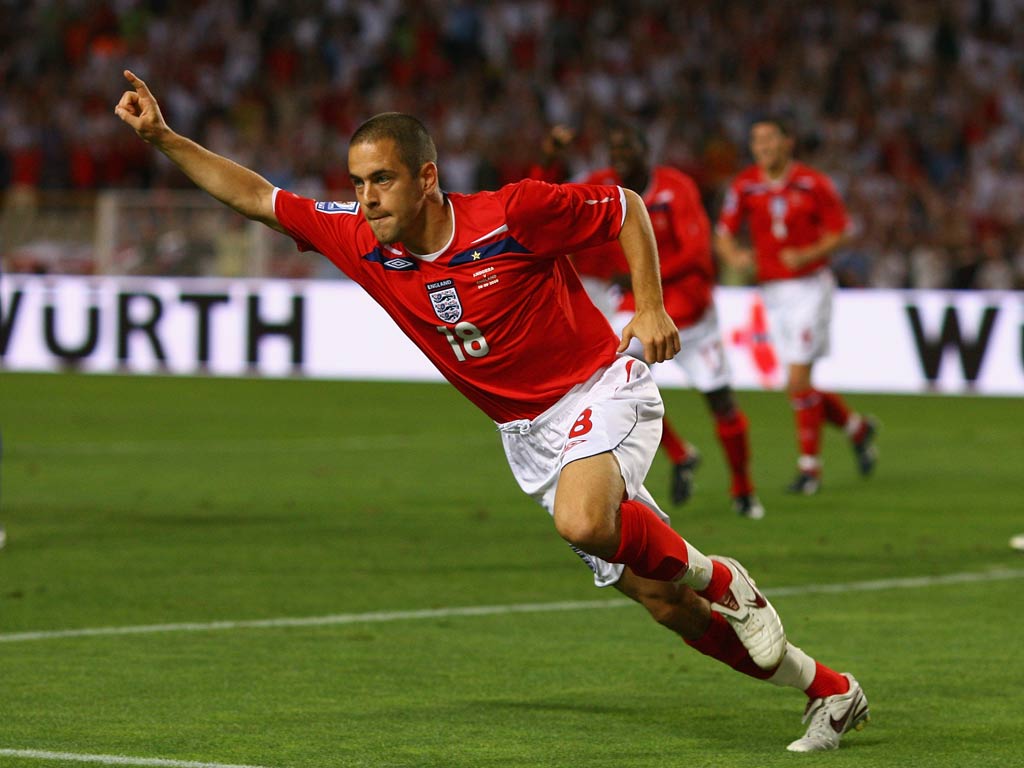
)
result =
(429, 177)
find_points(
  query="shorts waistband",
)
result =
(523, 426)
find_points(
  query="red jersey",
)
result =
(499, 311)
(792, 212)
(683, 233)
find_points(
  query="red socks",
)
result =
(648, 545)
(732, 434)
(835, 408)
(827, 682)
(812, 408)
(809, 410)
(721, 643)
(721, 578)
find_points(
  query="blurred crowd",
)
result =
(914, 107)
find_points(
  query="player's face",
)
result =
(627, 155)
(391, 196)
(770, 147)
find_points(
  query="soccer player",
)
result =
(481, 285)
(796, 220)
(683, 235)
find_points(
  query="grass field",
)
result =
(132, 502)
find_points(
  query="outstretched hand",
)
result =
(140, 110)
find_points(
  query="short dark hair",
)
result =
(782, 122)
(628, 128)
(415, 147)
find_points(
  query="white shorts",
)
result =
(616, 410)
(799, 315)
(701, 353)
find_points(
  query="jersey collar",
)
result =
(437, 254)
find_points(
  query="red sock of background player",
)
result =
(733, 435)
(672, 443)
(809, 412)
(838, 412)
(653, 550)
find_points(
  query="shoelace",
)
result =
(820, 727)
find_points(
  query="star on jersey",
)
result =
(498, 247)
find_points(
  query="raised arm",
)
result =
(234, 185)
(651, 323)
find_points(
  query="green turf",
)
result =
(134, 501)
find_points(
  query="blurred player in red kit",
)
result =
(796, 220)
(481, 284)
(683, 234)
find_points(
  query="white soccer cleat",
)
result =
(831, 717)
(748, 506)
(752, 617)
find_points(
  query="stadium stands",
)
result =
(915, 108)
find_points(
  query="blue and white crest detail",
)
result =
(333, 206)
(445, 300)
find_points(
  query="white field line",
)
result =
(38, 754)
(918, 582)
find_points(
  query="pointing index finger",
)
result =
(135, 81)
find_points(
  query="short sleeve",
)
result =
(564, 218)
(329, 227)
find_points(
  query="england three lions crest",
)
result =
(445, 300)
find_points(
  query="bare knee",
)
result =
(798, 379)
(591, 525)
(587, 502)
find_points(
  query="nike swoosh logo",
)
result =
(839, 726)
(759, 601)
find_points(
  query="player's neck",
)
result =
(777, 172)
(438, 226)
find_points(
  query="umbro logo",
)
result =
(391, 259)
